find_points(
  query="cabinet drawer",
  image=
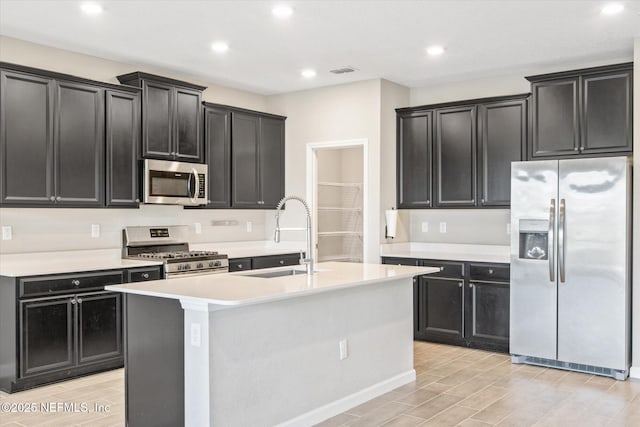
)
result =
(65, 283)
(399, 261)
(144, 274)
(454, 270)
(239, 264)
(276, 261)
(489, 272)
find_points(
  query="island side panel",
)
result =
(154, 362)
(277, 362)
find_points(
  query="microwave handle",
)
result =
(194, 190)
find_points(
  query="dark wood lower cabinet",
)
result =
(268, 261)
(439, 309)
(464, 303)
(53, 328)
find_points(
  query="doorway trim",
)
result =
(312, 183)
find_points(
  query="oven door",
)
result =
(175, 183)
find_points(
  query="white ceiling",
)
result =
(383, 39)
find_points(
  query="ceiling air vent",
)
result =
(343, 70)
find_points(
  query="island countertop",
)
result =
(244, 288)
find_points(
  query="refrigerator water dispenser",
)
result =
(534, 237)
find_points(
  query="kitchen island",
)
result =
(245, 349)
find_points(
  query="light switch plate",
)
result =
(443, 227)
(425, 227)
(7, 233)
(95, 230)
(249, 226)
(195, 334)
(344, 349)
(508, 228)
(198, 228)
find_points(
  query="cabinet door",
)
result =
(438, 310)
(244, 169)
(188, 125)
(455, 157)
(47, 335)
(79, 145)
(413, 160)
(157, 120)
(217, 133)
(275, 261)
(123, 141)
(555, 118)
(488, 315)
(26, 139)
(606, 109)
(99, 326)
(502, 139)
(271, 162)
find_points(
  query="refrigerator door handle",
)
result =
(551, 244)
(562, 219)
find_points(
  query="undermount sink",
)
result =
(279, 273)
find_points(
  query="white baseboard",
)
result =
(634, 372)
(341, 405)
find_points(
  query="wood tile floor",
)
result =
(455, 387)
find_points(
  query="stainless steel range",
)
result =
(169, 245)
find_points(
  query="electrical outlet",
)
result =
(443, 227)
(195, 334)
(198, 228)
(344, 349)
(249, 226)
(508, 228)
(7, 233)
(95, 230)
(425, 227)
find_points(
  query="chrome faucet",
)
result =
(308, 261)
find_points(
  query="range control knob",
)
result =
(199, 265)
(179, 267)
(187, 266)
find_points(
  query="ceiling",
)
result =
(382, 39)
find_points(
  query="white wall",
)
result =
(336, 113)
(69, 229)
(636, 212)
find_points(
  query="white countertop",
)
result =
(234, 289)
(40, 263)
(447, 251)
(250, 249)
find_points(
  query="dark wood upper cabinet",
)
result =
(502, 139)
(582, 112)
(217, 133)
(455, 156)
(607, 107)
(52, 140)
(122, 143)
(414, 159)
(459, 153)
(257, 166)
(79, 144)
(271, 162)
(171, 117)
(26, 138)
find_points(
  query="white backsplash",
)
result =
(59, 229)
(472, 226)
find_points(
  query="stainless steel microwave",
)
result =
(175, 183)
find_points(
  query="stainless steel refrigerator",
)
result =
(571, 264)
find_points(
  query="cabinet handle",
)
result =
(73, 300)
(58, 198)
(428, 202)
(491, 271)
(208, 201)
(575, 148)
(137, 200)
(239, 265)
(261, 202)
(482, 201)
(281, 262)
(75, 282)
(581, 148)
(441, 268)
(460, 284)
(173, 153)
(53, 199)
(145, 275)
(79, 300)
(471, 285)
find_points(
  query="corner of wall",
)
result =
(635, 282)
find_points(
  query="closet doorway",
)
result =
(338, 199)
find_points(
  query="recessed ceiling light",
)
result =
(91, 8)
(435, 50)
(282, 11)
(308, 73)
(219, 47)
(612, 8)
